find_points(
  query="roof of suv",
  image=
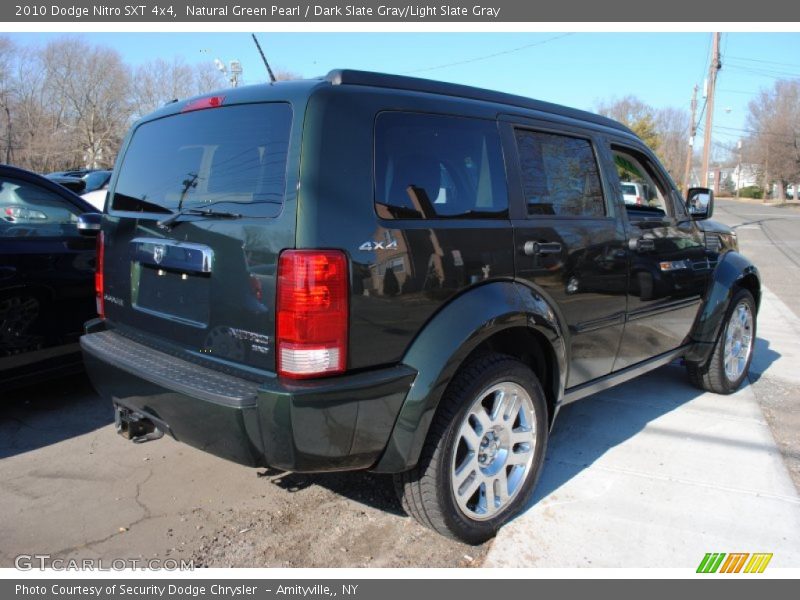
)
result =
(401, 82)
(299, 89)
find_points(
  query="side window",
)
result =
(433, 166)
(28, 210)
(642, 191)
(559, 175)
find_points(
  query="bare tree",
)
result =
(93, 85)
(39, 140)
(774, 141)
(664, 130)
(207, 78)
(672, 129)
(158, 82)
(69, 103)
(637, 115)
(7, 90)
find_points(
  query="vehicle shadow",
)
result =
(584, 431)
(763, 358)
(35, 416)
(587, 429)
(370, 489)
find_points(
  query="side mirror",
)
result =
(89, 224)
(700, 203)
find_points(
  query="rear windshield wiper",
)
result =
(203, 212)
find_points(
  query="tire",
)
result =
(513, 450)
(715, 377)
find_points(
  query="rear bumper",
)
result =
(330, 424)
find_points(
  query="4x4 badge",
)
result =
(369, 246)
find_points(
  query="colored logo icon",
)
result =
(736, 562)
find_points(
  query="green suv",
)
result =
(367, 271)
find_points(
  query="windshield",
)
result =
(233, 155)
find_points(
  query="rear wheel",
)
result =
(733, 351)
(483, 454)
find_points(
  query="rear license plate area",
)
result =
(181, 296)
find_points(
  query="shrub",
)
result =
(751, 191)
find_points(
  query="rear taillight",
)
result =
(312, 313)
(98, 276)
(639, 201)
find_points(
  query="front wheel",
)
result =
(483, 454)
(733, 351)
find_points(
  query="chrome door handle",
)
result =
(642, 244)
(541, 248)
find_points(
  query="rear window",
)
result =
(628, 189)
(228, 155)
(433, 166)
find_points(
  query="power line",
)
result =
(770, 62)
(752, 93)
(493, 55)
(756, 132)
(697, 126)
(765, 72)
(706, 61)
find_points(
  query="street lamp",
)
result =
(233, 73)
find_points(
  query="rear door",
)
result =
(205, 282)
(668, 260)
(570, 243)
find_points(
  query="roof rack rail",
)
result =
(402, 82)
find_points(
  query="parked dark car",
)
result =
(94, 179)
(72, 183)
(46, 277)
(368, 271)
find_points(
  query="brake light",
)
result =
(312, 313)
(98, 276)
(639, 201)
(201, 103)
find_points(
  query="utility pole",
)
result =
(687, 174)
(738, 167)
(715, 66)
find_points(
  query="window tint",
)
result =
(28, 210)
(231, 155)
(642, 192)
(559, 175)
(431, 166)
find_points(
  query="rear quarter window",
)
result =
(434, 166)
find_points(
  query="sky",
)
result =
(574, 69)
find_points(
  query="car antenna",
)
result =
(264, 58)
